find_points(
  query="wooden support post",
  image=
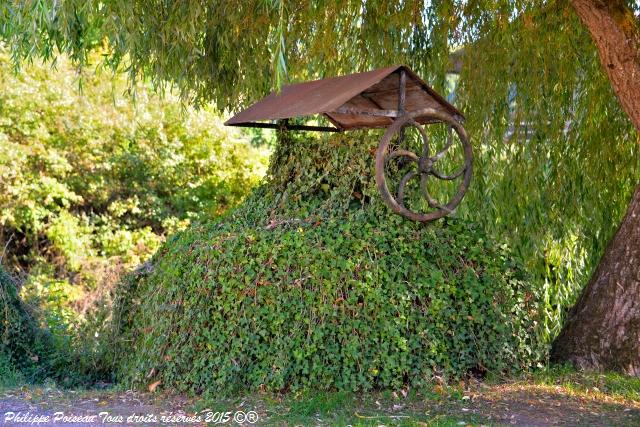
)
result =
(402, 89)
(402, 95)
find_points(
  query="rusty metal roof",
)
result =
(344, 99)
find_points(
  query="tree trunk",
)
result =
(603, 329)
(614, 30)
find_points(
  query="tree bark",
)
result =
(602, 331)
(603, 328)
(614, 30)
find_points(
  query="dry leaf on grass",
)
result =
(153, 386)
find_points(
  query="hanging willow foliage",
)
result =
(227, 51)
(556, 158)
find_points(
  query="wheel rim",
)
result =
(425, 169)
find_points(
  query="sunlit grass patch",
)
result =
(439, 406)
(556, 396)
(610, 384)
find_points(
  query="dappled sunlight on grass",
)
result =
(554, 396)
(530, 403)
(606, 385)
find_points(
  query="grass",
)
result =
(9, 376)
(557, 394)
(608, 383)
(357, 409)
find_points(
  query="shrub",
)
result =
(18, 330)
(25, 348)
(9, 375)
(91, 181)
(39, 340)
(313, 283)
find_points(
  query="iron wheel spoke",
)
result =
(440, 175)
(402, 184)
(440, 154)
(433, 203)
(402, 153)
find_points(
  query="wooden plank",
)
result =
(367, 112)
(287, 127)
(402, 94)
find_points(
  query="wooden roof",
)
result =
(354, 101)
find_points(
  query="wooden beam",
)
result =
(367, 112)
(287, 127)
(402, 91)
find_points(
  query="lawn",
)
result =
(557, 396)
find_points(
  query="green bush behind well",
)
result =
(92, 180)
(313, 283)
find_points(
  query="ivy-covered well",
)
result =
(313, 283)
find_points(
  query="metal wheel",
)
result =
(426, 167)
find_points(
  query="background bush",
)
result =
(313, 283)
(27, 351)
(92, 180)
